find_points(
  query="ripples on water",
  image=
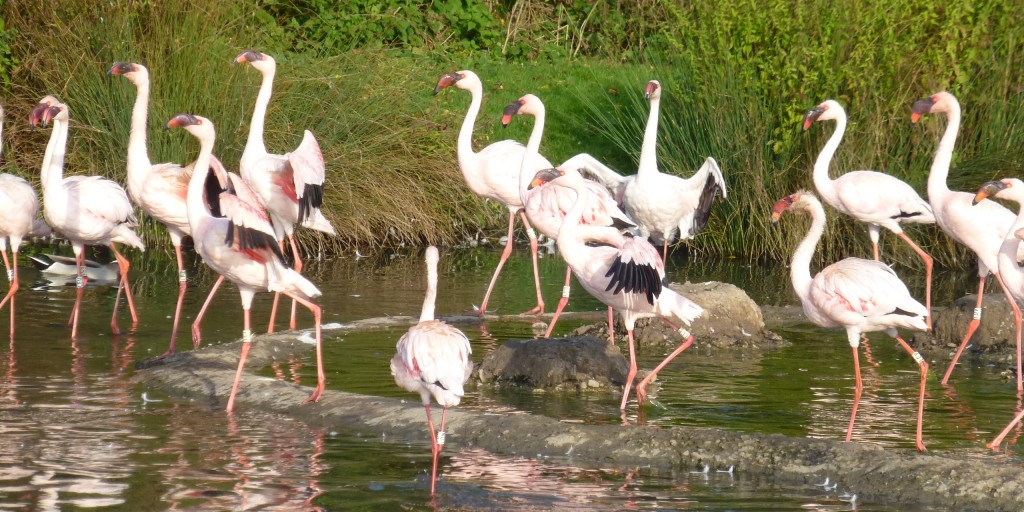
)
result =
(76, 432)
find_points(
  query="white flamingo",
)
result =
(981, 228)
(290, 186)
(874, 198)
(1011, 189)
(624, 272)
(18, 208)
(432, 359)
(858, 295)
(546, 207)
(159, 189)
(87, 210)
(663, 205)
(241, 244)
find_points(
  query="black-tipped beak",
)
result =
(920, 108)
(811, 116)
(510, 110)
(988, 190)
(446, 80)
(181, 121)
(545, 176)
(248, 56)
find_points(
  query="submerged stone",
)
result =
(575, 362)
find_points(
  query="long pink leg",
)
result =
(182, 283)
(321, 378)
(856, 393)
(973, 326)
(13, 275)
(117, 300)
(80, 283)
(539, 308)
(641, 389)
(433, 444)
(920, 398)
(277, 296)
(928, 262)
(501, 263)
(1016, 324)
(124, 265)
(246, 344)
(438, 445)
(994, 444)
(632, 370)
(561, 303)
(664, 251)
(298, 268)
(196, 334)
(874, 253)
(611, 326)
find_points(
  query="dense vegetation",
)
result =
(738, 76)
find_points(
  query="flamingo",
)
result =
(87, 210)
(981, 228)
(1011, 189)
(624, 272)
(18, 208)
(433, 359)
(545, 207)
(858, 295)
(875, 198)
(290, 186)
(663, 205)
(159, 189)
(240, 245)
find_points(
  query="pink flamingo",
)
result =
(856, 294)
(545, 207)
(876, 199)
(1011, 189)
(981, 228)
(87, 210)
(290, 186)
(433, 359)
(241, 244)
(624, 272)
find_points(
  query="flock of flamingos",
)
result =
(604, 225)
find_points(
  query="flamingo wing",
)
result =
(250, 230)
(637, 268)
(864, 287)
(100, 197)
(308, 174)
(441, 354)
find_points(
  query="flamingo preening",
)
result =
(432, 359)
(856, 294)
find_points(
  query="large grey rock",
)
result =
(995, 334)
(578, 362)
(731, 319)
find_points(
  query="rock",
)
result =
(576, 362)
(731, 319)
(995, 334)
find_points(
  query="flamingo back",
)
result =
(433, 359)
(865, 293)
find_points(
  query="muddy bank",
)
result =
(873, 473)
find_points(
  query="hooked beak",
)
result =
(510, 110)
(920, 108)
(779, 207)
(812, 115)
(248, 56)
(36, 116)
(988, 190)
(446, 80)
(181, 121)
(545, 176)
(121, 68)
(652, 86)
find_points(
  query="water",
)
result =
(77, 432)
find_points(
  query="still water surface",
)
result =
(76, 432)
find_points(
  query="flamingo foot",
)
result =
(317, 394)
(197, 336)
(537, 310)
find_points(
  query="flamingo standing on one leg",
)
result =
(433, 359)
(290, 186)
(1011, 189)
(856, 294)
(624, 272)
(545, 207)
(241, 245)
(871, 197)
(981, 228)
(159, 189)
(87, 210)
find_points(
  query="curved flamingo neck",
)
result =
(532, 150)
(944, 152)
(53, 169)
(255, 146)
(800, 267)
(648, 164)
(467, 158)
(427, 313)
(1011, 272)
(138, 158)
(822, 181)
(194, 204)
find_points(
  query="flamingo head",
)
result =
(653, 90)
(941, 101)
(996, 188)
(196, 125)
(545, 176)
(262, 62)
(462, 79)
(48, 109)
(828, 110)
(528, 105)
(794, 202)
(136, 73)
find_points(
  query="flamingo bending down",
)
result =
(240, 245)
(87, 210)
(856, 294)
(433, 359)
(159, 189)
(545, 207)
(663, 205)
(875, 198)
(624, 272)
(981, 228)
(1013, 275)
(290, 186)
